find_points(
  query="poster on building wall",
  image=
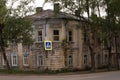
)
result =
(48, 45)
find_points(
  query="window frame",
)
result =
(40, 37)
(70, 60)
(25, 56)
(40, 60)
(85, 59)
(70, 36)
(3, 61)
(56, 35)
(14, 62)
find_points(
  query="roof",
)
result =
(49, 14)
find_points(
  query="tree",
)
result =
(110, 27)
(15, 26)
(112, 18)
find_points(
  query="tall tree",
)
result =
(112, 17)
(15, 26)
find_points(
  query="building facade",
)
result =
(68, 49)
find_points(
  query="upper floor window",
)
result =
(56, 35)
(40, 35)
(70, 34)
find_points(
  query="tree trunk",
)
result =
(87, 8)
(5, 57)
(91, 48)
(98, 9)
(92, 55)
(3, 48)
(117, 54)
(109, 58)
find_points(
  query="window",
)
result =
(3, 61)
(56, 35)
(69, 35)
(70, 60)
(106, 59)
(99, 59)
(14, 59)
(85, 59)
(40, 60)
(25, 59)
(40, 35)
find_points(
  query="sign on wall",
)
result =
(48, 45)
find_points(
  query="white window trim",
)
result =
(24, 64)
(13, 54)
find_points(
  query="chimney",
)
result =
(39, 9)
(56, 8)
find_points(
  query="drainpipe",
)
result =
(46, 36)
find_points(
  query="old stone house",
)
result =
(68, 49)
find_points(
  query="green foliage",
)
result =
(17, 26)
(3, 10)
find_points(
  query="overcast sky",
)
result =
(39, 3)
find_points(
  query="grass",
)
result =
(48, 72)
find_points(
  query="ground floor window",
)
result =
(3, 61)
(25, 59)
(70, 60)
(99, 59)
(106, 59)
(34, 60)
(85, 59)
(14, 59)
(40, 60)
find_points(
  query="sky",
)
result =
(39, 3)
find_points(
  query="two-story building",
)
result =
(67, 42)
